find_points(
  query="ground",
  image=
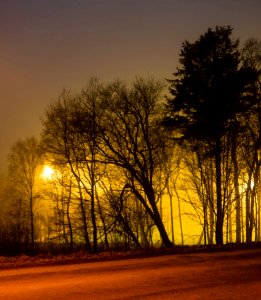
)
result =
(199, 274)
(21, 261)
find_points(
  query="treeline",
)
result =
(132, 168)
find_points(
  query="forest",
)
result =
(145, 164)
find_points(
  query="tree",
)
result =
(15, 231)
(85, 117)
(132, 139)
(59, 188)
(205, 97)
(24, 166)
(60, 142)
(70, 138)
(251, 119)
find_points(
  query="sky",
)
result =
(49, 45)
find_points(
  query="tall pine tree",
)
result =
(205, 96)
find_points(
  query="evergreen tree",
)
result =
(205, 98)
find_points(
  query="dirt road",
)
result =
(224, 275)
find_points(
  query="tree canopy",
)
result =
(205, 89)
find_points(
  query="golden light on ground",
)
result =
(48, 172)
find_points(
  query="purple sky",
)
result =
(48, 45)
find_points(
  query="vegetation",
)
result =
(127, 168)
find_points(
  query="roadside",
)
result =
(23, 261)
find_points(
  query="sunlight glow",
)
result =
(252, 185)
(48, 172)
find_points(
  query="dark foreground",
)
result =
(218, 275)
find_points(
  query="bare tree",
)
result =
(251, 122)
(133, 140)
(60, 142)
(24, 163)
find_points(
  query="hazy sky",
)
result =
(48, 45)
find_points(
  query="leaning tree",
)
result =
(133, 140)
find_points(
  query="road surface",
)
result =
(223, 275)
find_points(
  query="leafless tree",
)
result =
(24, 164)
(133, 140)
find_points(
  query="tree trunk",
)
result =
(258, 227)
(161, 228)
(211, 214)
(128, 230)
(93, 219)
(219, 220)
(248, 234)
(85, 230)
(92, 177)
(102, 218)
(32, 221)
(180, 219)
(211, 225)
(237, 193)
(252, 216)
(69, 217)
(153, 211)
(171, 211)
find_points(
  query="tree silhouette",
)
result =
(251, 120)
(205, 95)
(133, 140)
(25, 159)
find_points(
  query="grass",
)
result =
(22, 261)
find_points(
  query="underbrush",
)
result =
(21, 261)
